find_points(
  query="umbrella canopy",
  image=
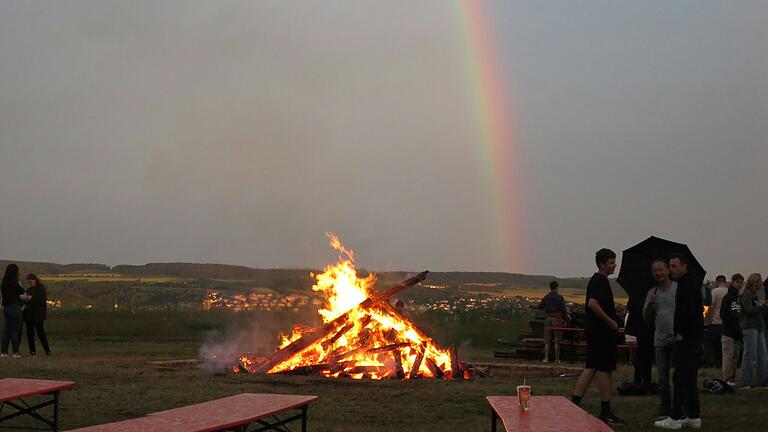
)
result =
(635, 273)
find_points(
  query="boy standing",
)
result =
(600, 331)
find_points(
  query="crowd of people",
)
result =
(23, 306)
(680, 335)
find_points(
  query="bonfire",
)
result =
(362, 335)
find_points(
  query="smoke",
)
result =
(255, 334)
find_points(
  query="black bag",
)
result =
(716, 386)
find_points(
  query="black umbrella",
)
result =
(635, 274)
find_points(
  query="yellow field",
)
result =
(575, 295)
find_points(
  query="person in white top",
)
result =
(713, 353)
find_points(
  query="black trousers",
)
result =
(644, 360)
(686, 391)
(38, 326)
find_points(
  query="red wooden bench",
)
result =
(13, 391)
(233, 412)
(547, 414)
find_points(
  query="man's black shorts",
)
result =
(601, 353)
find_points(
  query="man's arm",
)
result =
(598, 310)
(648, 310)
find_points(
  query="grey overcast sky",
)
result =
(240, 131)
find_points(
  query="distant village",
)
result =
(271, 301)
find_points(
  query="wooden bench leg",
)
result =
(494, 417)
(304, 412)
(55, 411)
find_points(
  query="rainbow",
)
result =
(495, 129)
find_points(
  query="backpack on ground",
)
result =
(716, 386)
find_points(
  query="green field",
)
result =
(108, 277)
(108, 354)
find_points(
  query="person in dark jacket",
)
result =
(553, 305)
(730, 309)
(35, 313)
(12, 294)
(689, 331)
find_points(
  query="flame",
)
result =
(375, 342)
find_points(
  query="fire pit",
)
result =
(362, 335)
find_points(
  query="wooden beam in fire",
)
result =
(457, 373)
(434, 368)
(417, 363)
(399, 372)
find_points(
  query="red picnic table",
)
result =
(547, 414)
(13, 391)
(227, 413)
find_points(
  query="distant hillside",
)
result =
(207, 271)
(299, 279)
(26, 267)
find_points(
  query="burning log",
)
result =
(351, 353)
(380, 370)
(457, 373)
(432, 366)
(347, 327)
(387, 348)
(399, 372)
(320, 333)
(417, 363)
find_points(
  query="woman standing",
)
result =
(755, 360)
(35, 313)
(12, 305)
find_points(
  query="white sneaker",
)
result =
(669, 423)
(733, 383)
(16, 355)
(692, 423)
(545, 361)
(4, 355)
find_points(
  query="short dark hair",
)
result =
(680, 257)
(32, 276)
(660, 260)
(553, 285)
(603, 255)
(737, 276)
(720, 278)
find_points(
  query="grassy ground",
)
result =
(108, 355)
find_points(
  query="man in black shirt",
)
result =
(600, 330)
(689, 332)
